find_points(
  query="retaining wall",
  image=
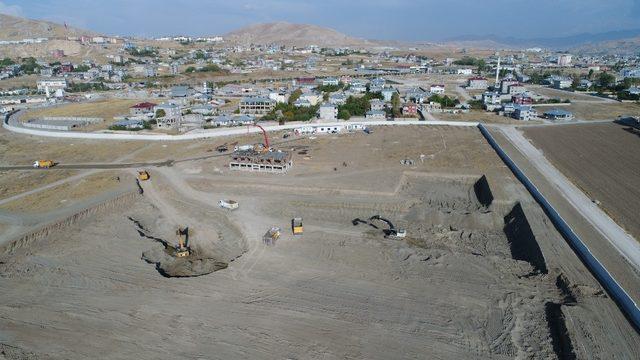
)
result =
(608, 282)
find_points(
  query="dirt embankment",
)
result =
(45, 231)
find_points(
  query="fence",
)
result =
(617, 293)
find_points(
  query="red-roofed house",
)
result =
(142, 108)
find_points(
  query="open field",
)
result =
(602, 160)
(104, 108)
(15, 182)
(481, 274)
(601, 111)
(481, 116)
(68, 193)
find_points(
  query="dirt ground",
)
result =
(68, 193)
(105, 108)
(481, 273)
(602, 160)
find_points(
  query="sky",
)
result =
(408, 20)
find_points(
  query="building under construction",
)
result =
(269, 161)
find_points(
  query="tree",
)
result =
(6, 62)
(190, 69)
(395, 104)
(482, 66)
(344, 114)
(575, 83)
(590, 76)
(160, 113)
(606, 80)
(295, 96)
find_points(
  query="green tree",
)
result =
(295, 96)
(606, 80)
(395, 104)
(6, 62)
(344, 114)
(482, 65)
(160, 113)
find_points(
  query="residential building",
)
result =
(337, 99)
(387, 93)
(437, 89)
(302, 103)
(564, 60)
(171, 110)
(328, 112)
(524, 113)
(376, 104)
(375, 115)
(52, 84)
(279, 97)
(256, 105)
(179, 91)
(331, 81)
(521, 99)
(142, 108)
(465, 71)
(304, 81)
(130, 124)
(516, 89)
(311, 97)
(562, 83)
(558, 115)
(416, 94)
(410, 109)
(505, 83)
(477, 83)
(630, 73)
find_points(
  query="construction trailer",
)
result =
(296, 226)
(228, 204)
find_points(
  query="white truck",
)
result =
(228, 204)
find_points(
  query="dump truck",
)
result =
(296, 226)
(143, 175)
(43, 164)
(228, 204)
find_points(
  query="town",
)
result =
(284, 190)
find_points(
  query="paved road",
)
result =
(624, 243)
(12, 124)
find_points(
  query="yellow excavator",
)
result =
(182, 250)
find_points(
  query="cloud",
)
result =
(14, 10)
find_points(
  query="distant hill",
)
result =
(555, 43)
(17, 28)
(293, 34)
(630, 46)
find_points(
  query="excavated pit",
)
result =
(168, 265)
(191, 266)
